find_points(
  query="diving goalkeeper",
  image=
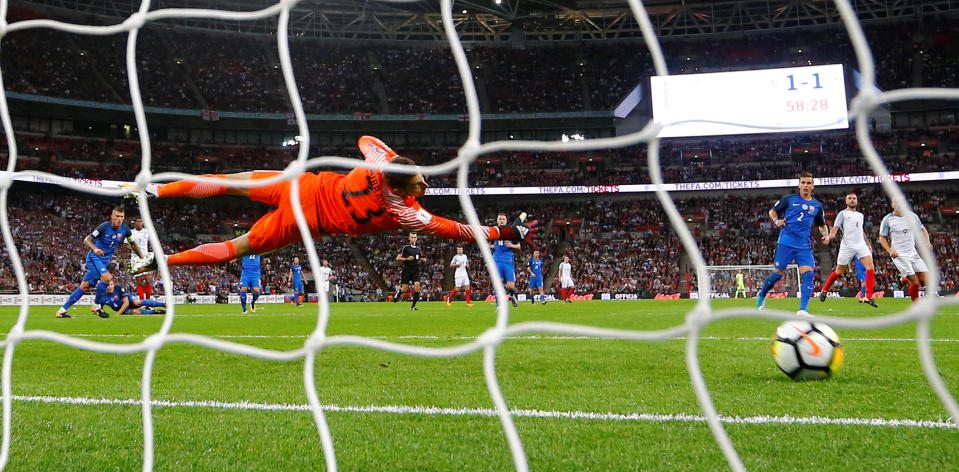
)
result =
(360, 202)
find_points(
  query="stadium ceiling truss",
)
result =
(504, 20)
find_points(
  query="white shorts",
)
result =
(462, 280)
(324, 285)
(566, 282)
(846, 253)
(910, 264)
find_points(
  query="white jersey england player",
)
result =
(853, 245)
(141, 238)
(897, 238)
(326, 273)
(460, 276)
(566, 279)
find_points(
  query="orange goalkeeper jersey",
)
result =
(359, 202)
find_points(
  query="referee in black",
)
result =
(410, 256)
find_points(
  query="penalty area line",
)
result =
(487, 412)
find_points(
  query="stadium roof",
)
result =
(487, 20)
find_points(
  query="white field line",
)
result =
(437, 411)
(473, 338)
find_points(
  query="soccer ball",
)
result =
(806, 350)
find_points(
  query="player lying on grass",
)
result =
(361, 202)
(123, 303)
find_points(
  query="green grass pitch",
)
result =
(78, 410)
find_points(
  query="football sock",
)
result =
(870, 282)
(205, 254)
(73, 298)
(416, 298)
(914, 292)
(101, 292)
(862, 293)
(829, 281)
(256, 295)
(452, 294)
(467, 295)
(769, 283)
(148, 289)
(806, 290)
(243, 300)
(151, 303)
(141, 291)
(184, 188)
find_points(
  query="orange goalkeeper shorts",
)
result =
(277, 229)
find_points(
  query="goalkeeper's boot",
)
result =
(870, 302)
(100, 313)
(144, 265)
(822, 295)
(61, 313)
(151, 190)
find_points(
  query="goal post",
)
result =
(723, 281)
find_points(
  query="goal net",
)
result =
(724, 281)
(868, 99)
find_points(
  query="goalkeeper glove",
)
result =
(520, 232)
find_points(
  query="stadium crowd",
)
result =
(235, 72)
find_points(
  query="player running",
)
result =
(296, 280)
(460, 277)
(103, 242)
(250, 280)
(113, 296)
(897, 238)
(796, 214)
(535, 270)
(853, 246)
(363, 201)
(410, 256)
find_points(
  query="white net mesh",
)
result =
(701, 315)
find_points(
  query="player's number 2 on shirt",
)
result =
(348, 194)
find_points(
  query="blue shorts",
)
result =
(787, 254)
(535, 281)
(250, 282)
(297, 286)
(96, 266)
(507, 271)
(860, 271)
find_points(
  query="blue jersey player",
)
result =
(103, 242)
(535, 270)
(296, 280)
(250, 280)
(503, 256)
(123, 303)
(796, 214)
